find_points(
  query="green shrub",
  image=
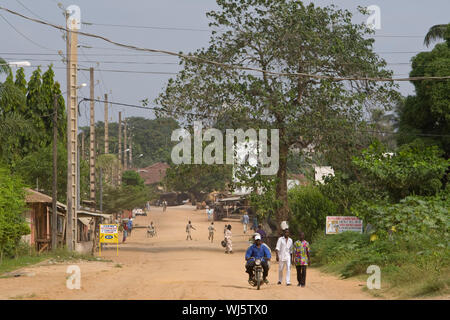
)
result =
(309, 209)
(12, 206)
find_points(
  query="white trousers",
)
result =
(281, 265)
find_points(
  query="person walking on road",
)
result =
(284, 256)
(229, 247)
(125, 231)
(189, 226)
(164, 205)
(301, 258)
(211, 230)
(245, 220)
(130, 226)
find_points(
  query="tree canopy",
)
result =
(288, 37)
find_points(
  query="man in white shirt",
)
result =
(284, 256)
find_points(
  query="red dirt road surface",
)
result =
(169, 267)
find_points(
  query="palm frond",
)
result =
(4, 68)
(435, 33)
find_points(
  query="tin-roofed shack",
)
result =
(39, 218)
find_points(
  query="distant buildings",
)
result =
(153, 174)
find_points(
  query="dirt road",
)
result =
(169, 267)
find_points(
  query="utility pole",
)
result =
(55, 174)
(131, 152)
(82, 146)
(119, 178)
(106, 125)
(92, 141)
(101, 190)
(125, 158)
(73, 22)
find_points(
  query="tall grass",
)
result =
(410, 267)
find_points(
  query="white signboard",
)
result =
(338, 224)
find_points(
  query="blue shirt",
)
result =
(130, 224)
(245, 219)
(258, 253)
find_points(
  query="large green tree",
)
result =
(426, 114)
(288, 37)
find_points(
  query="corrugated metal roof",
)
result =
(33, 196)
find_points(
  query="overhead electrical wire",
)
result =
(23, 35)
(194, 114)
(223, 65)
(86, 23)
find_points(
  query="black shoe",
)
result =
(303, 285)
(288, 284)
(279, 282)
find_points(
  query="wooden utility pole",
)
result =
(92, 141)
(106, 125)
(82, 146)
(55, 174)
(119, 175)
(72, 127)
(125, 158)
(130, 155)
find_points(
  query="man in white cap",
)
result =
(284, 256)
(257, 251)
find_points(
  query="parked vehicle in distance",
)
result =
(139, 212)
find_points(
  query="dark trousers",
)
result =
(251, 263)
(301, 274)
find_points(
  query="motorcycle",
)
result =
(257, 274)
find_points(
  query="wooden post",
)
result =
(130, 155)
(125, 158)
(119, 174)
(106, 125)
(55, 174)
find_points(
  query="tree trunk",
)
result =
(282, 213)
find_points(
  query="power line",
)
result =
(26, 8)
(143, 27)
(194, 114)
(168, 63)
(238, 67)
(209, 30)
(23, 35)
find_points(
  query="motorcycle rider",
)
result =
(257, 251)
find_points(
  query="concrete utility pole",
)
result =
(92, 141)
(73, 22)
(119, 175)
(125, 158)
(106, 125)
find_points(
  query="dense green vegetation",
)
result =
(12, 206)
(149, 137)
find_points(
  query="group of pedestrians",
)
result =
(126, 227)
(296, 253)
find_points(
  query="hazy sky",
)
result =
(403, 26)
